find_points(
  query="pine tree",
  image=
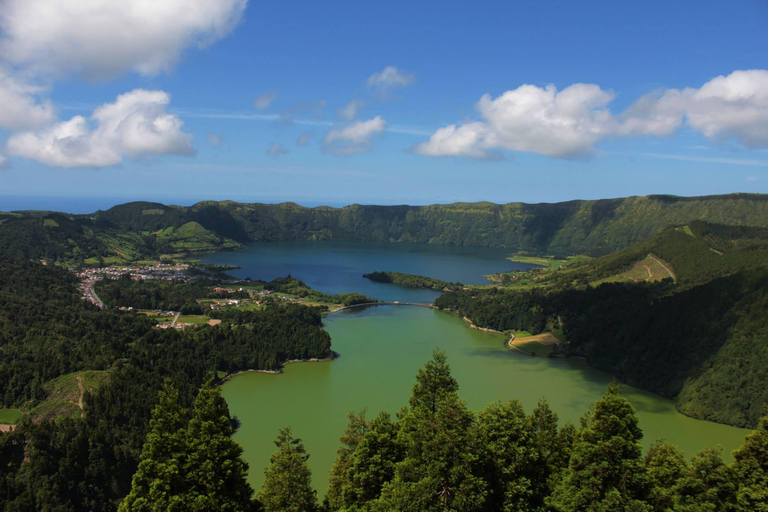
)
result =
(287, 485)
(214, 469)
(158, 482)
(554, 445)
(373, 463)
(338, 480)
(751, 466)
(197, 467)
(440, 469)
(606, 471)
(666, 466)
(708, 486)
(508, 456)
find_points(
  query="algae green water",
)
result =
(382, 348)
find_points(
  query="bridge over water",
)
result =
(395, 303)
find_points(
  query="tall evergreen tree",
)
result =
(440, 470)
(215, 471)
(195, 468)
(751, 465)
(666, 466)
(338, 480)
(606, 471)
(508, 455)
(373, 464)
(553, 445)
(159, 483)
(287, 485)
(708, 486)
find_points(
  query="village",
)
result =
(170, 272)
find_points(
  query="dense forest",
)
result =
(702, 340)
(437, 455)
(143, 229)
(85, 461)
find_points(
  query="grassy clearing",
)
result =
(545, 338)
(534, 347)
(10, 415)
(193, 319)
(687, 231)
(64, 394)
(647, 269)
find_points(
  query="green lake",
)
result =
(381, 348)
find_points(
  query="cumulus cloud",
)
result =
(213, 139)
(390, 78)
(733, 106)
(19, 107)
(276, 149)
(304, 139)
(354, 138)
(563, 124)
(349, 112)
(101, 39)
(571, 122)
(135, 125)
(264, 100)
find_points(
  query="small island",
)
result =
(411, 281)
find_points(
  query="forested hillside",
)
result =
(142, 229)
(85, 461)
(703, 340)
(574, 227)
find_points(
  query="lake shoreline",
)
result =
(332, 356)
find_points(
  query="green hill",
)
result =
(702, 340)
(143, 229)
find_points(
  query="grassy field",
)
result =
(194, 319)
(645, 270)
(540, 344)
(10, 415)
(64, 394)
(521, 279)
(534, 347)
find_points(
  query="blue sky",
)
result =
(387, 103)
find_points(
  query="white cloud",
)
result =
(276, 149)
(354, 138)
(213, 139)
(304, 139)
(349, 112)
(103, 38)
(135, 125)
(389, 78)
(19, 108)
(264, 100)
(571, 122)
(563, 124)
(733, 106)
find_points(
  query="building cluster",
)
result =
(161, 271)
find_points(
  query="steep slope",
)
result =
(574, 227)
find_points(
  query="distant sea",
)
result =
(92, 204)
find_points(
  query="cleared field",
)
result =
(10, 415)
(533, 347)
(193, 319)
(66, 392)
(646, 270)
